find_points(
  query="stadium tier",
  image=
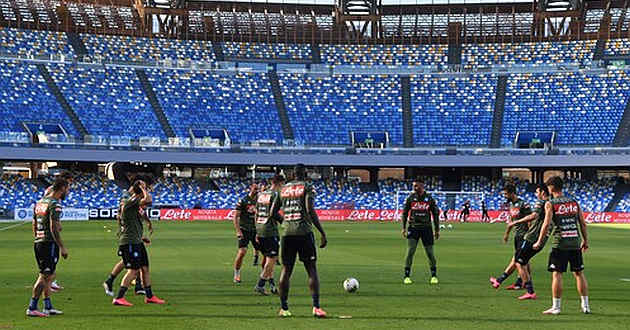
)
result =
(452, 111)
(327, 110)
(581, 108)
(531, 53)
(33, 43)
(242, 104)
(618, 47)
(132, 49)
(109, 101)
(592, 195)
(275, 51)
(624, 204)
(370, 55)
(25, 97)
(94, 191)
(584, 109)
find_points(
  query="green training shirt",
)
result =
(534, 230)
(518, 210)
(46, 211)
(131, 221)
(297, 219)
(247, 208)
(419, 210)
(566, 232)
(266, 222)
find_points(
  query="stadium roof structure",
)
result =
(329, 21)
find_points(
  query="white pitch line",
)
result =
(625, 279)
(13, 226)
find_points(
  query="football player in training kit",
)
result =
(245, 226)
(267, 235)
(526, 252)
(484, 212)
(48, 245)
(420, 211)
(108, 285)
(465, 212)
(518, 210)
(297, 202)
(131, 246)
(570, 239)
(65, 175)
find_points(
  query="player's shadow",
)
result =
(264, 304)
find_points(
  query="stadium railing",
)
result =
(208, 145)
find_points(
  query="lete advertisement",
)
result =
(196, 214)
(67, 214)
(375, 215)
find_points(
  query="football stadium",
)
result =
(314, 164)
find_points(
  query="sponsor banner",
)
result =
(607, 217)
(333, 215)
(196, 214)
(112, 213)
(371, 215)
(475, 216)
(67, 214)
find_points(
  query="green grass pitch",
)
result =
(191, 266)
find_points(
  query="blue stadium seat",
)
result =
(261, 50)
(35, 43)
(617, 47)
(108, 101)
(243, 104)
(135, 49)
(624, 204)
(325, 110)
(456, 111)
(582, 109)
(531, 53)
(25, 97)
(384, 54)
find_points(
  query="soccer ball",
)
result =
(450, 226)
(351, 284)
(442, 226)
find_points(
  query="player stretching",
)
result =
(518, 210)
(526, 251)
(419, 209)
(245, 228)
(267, 235)
(132, 249)
(297, 202)
(65, 175)
(48, 245)
(108, 285)
(567, 219)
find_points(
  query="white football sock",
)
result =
(584, 301)
(556, 302)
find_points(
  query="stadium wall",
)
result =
(382, 160)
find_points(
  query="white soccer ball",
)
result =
(351, 284)
(450, 226)
(442, 226)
